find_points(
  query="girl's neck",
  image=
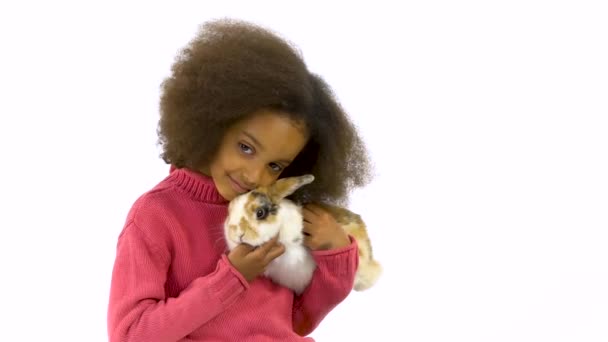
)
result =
(198, 185)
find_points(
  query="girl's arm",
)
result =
(332, 281)
(138, 309)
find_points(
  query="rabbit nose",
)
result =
(241, 236)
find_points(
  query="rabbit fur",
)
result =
(260, 214)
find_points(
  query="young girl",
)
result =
(239, 110)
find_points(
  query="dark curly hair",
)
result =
(232, 69)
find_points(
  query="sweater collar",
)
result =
(199, 186)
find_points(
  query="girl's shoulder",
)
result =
(158, 201)
(150, 213)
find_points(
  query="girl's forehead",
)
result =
(265, 120)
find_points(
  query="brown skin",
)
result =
(232, 69)
(250, 261)
(253, 153)
(321, 230)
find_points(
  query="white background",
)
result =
(486, 120)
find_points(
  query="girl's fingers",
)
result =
(275, 252)
(242, 249)
(313, 208)
(308, 241)
(266, 246)
(307, 229)
(308, 213)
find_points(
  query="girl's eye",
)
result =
(246, 149)
(276, 167)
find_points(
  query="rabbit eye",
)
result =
(261, 213)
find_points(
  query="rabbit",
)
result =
(259, 215)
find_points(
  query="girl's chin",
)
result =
(236, 187)
(226, 192)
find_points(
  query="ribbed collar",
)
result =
(199, 186)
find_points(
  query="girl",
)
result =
(239, 110)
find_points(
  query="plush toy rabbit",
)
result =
(257, 216)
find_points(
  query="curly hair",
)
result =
(230, 70)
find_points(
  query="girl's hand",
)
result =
(321, 230)
(250, 261)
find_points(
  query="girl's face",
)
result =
(255, 151)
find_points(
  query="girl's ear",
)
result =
(287, 186)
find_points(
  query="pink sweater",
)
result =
(172, 280)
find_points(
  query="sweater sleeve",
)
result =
(332, 281)
(138, 309)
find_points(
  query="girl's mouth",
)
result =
(237, 187)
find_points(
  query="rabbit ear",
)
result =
(287, 186)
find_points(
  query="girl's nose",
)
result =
(254, 177)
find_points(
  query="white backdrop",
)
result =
(487, 122)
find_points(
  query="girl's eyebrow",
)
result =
(256, 142)
(285, 161)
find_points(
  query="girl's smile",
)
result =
(255, 151)
(237, 187)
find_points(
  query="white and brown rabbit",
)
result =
(259, 215)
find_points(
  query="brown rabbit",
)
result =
(257, 216)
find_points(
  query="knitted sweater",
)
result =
(172, 280)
